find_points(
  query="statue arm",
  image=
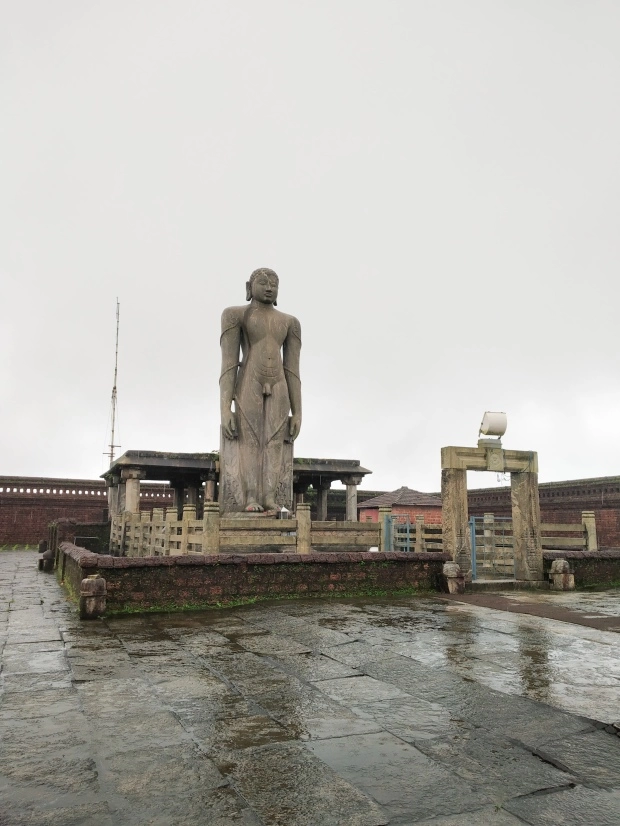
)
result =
(230, 342)
(291, 353)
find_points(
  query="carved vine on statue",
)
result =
(260, 399)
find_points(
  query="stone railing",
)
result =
(162, 533)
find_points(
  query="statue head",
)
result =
(263, 286)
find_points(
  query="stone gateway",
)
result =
(260, 400)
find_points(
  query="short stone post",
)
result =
(304, 528)
(189, 515)
(386, 529)
(560, 577)
(211, 528)
(454, 578)
(526, 526)
(420, 544)
(170, 531)
(456, 541)
(92, 597)
(144, 537)
(589, 525)
(157, 535)
(46, 562)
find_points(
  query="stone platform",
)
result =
(305, 713)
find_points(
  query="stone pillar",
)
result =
(456, 541)
(386, 532)
(420, 544)
(589, 525)
(178, 497)
(131, 477)
(526, 526)
(351, 482)
(210, 488)
(304, 527)
(192, 495)
(321, 502)
(211, 528)
(114, 504)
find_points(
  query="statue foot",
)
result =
(254, 507)
(271, 506)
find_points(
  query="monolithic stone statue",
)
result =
(256, 454)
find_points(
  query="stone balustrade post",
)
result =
(211, 528)
(304, 528)
(420, 544)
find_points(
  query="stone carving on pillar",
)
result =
(260, 400)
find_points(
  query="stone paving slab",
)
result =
(310, 713)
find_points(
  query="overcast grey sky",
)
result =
(436, 183)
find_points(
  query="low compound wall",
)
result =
(196, 581)
(594, 569)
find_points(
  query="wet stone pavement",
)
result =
(304, 713)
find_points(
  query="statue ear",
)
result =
(248, 290)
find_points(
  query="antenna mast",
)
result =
(112, 445)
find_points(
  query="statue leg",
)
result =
(249, 464)
(276, 430)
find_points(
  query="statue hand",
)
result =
(229, 425)
(294, 427)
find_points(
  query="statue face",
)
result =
(265, 288)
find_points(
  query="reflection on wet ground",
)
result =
(361, 712)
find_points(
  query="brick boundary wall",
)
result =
(29, 503)
(563, 502)
(593, 569)
(174, 582)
